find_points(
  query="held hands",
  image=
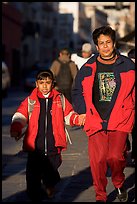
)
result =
(82, 118)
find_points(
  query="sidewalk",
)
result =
(76, 183)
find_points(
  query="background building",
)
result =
(35, 31)
(11, 40)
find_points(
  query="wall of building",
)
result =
(11, 39)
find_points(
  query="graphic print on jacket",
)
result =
(107, 85)
(103, 89)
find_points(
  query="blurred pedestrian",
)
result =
(105, 91)
(43, 112)
(131, 55)
(83, 57)
(64, 71)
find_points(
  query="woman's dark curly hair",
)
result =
(105, 30)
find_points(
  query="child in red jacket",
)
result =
(45, 113)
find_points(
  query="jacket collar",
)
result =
(119, 60)
(36, 93)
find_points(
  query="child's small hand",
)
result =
(82, 118)
(16, 130)
(16, 135)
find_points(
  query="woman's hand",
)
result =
(82, 118)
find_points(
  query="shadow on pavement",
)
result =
(76, 185)
(18, 162)
(67, 189)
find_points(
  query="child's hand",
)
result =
(16, 130)
(82, 118)
(16, 135)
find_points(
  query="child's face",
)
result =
(44, 85)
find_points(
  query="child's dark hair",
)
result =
(105, 30)
(43, 74)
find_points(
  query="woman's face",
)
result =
(105, 46)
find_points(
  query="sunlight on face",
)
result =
(105, 46)
(44, 85)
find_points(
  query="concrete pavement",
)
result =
(76, 183)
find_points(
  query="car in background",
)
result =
(6, 80)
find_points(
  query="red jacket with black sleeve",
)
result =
(122, 106)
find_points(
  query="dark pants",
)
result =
(39, 169)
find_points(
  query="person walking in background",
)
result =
(43, 112)
(64, 71)
(86, 50)
(104, 89)
(86, 53)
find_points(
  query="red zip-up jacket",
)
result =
(122, 106)
(60, 117)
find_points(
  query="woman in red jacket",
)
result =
(44, 113)
(105, 91)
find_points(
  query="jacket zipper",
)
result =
(46, 126)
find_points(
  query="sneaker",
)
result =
(122, 194)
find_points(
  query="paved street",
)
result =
(76, 183)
